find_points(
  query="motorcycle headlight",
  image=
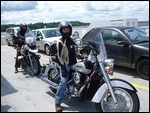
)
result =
(92, 58)
(109, 62)
(76, 77)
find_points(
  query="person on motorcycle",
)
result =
(19, 43)
(66, 56)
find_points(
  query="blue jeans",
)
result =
(62, 86)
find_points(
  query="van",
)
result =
(11, 34)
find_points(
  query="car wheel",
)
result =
(143, 69)
(7, 42)
(47, 49)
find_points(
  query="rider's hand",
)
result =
(22, 37)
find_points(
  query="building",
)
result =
(144, 25)
(121, 22)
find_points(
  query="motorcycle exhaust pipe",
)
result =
(52, 84)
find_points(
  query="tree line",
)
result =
(42, 25)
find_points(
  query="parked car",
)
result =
(10, 34)
(128, 46)
(45, 36)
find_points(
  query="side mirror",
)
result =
(40, 37)
(37, 39)
(75, 35)
(125, 43)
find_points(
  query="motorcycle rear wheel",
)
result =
(128, 101)
(54, 78)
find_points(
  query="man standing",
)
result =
(66, 56)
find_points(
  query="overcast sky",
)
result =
(15, 12)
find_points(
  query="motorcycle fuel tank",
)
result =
(80, 67)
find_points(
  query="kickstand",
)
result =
(68, 99)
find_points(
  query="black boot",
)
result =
(16, 70)
(58, 108)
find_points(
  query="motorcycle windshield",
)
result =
(96, 41)
(30, 38)
(29, 33)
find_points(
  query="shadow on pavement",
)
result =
(5, 108)
(127, 71)
(73, 105)
(6, 87)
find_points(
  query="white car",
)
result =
(45, 36)
(11, 34)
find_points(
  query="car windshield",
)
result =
(17, 29)
(51, 33)
(97, 43)
(136, 35)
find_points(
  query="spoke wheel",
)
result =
(127, 100)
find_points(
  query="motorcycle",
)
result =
(28, 58)
(90, 80)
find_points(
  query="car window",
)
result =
(8, 30)
(116, 36)
(58, 32)
(13, 31)
(111, 36)
(136, 35)
(34, 32)
(16, 30)
(51, 33)
(39, 33)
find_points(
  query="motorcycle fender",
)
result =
(33, 50)
(115, 83)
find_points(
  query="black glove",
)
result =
(16, 40)
(64, 71)
(22, 41)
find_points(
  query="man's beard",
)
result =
(66, 35)
(23, 30)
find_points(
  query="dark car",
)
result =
(128, 46)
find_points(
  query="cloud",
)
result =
(18, 5)
(102, 6)
(85, 11)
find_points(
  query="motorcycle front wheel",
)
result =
(36, 65)
(127, 100)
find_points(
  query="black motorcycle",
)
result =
(90, 80)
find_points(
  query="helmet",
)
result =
(75, 34)
(65, 24)
(23, 26)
